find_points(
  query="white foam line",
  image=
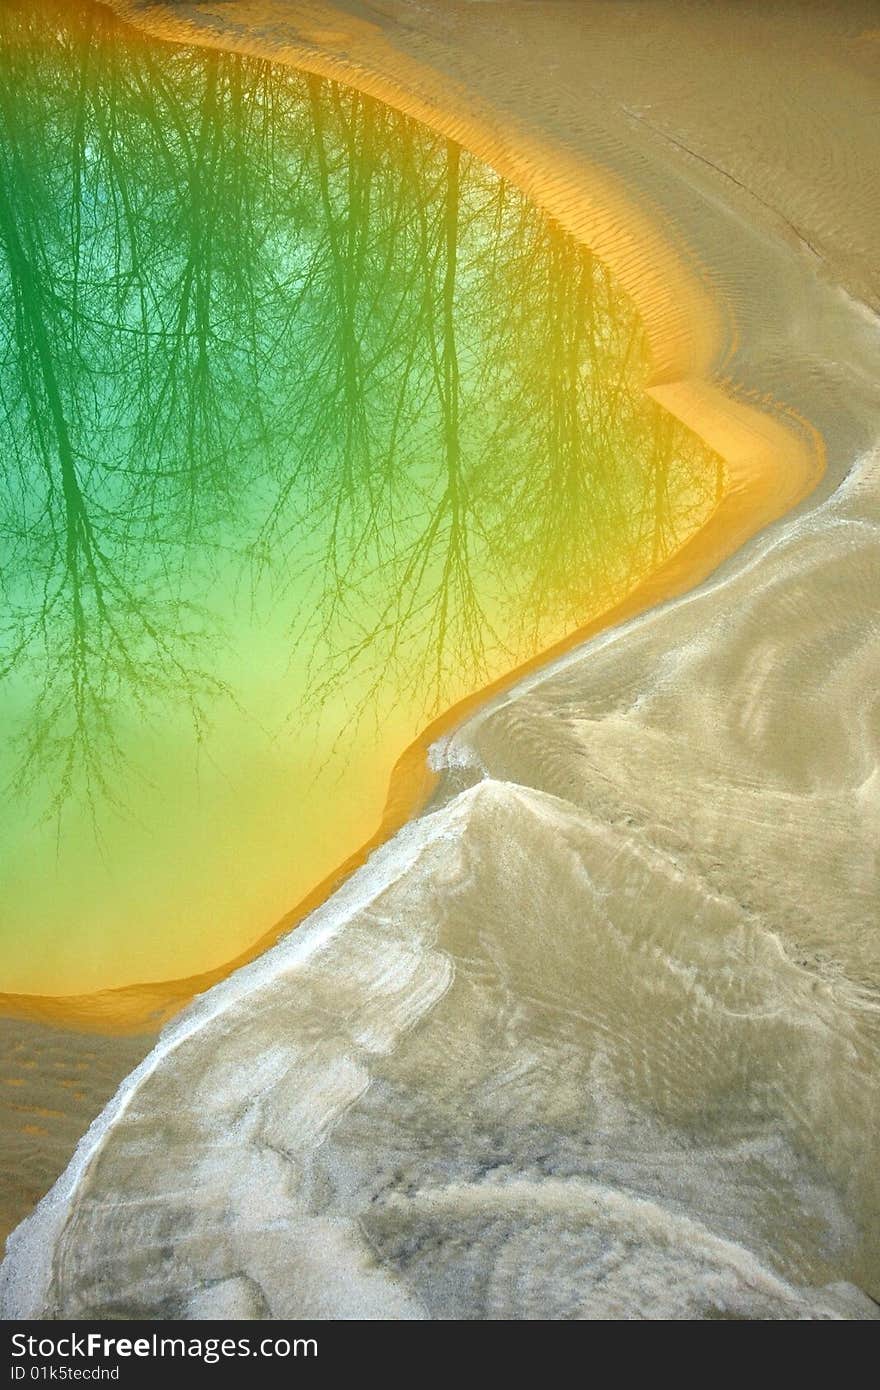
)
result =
(26, 1269)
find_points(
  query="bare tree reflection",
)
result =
(254, 323)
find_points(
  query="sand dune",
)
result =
(597, 1036)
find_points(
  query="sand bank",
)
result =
(639, 929)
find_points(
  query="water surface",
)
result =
(313, 426)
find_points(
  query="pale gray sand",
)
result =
(599, 1036)
(479, 1085)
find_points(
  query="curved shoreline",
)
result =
(773, 457)
(683, 817)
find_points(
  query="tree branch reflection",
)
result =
(260, 332)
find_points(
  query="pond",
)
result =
(312, 426)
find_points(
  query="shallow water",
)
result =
(316, 428)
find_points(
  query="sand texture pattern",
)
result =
(596, 1036)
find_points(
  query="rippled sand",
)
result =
(597, 1036)
(53, 1083)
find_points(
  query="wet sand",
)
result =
(53, 1082)
(639, 928)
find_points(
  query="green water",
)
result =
(310, 426)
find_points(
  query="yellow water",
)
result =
(318, 427)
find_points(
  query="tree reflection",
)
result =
(257, 324)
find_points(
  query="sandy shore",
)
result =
(672, 829)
